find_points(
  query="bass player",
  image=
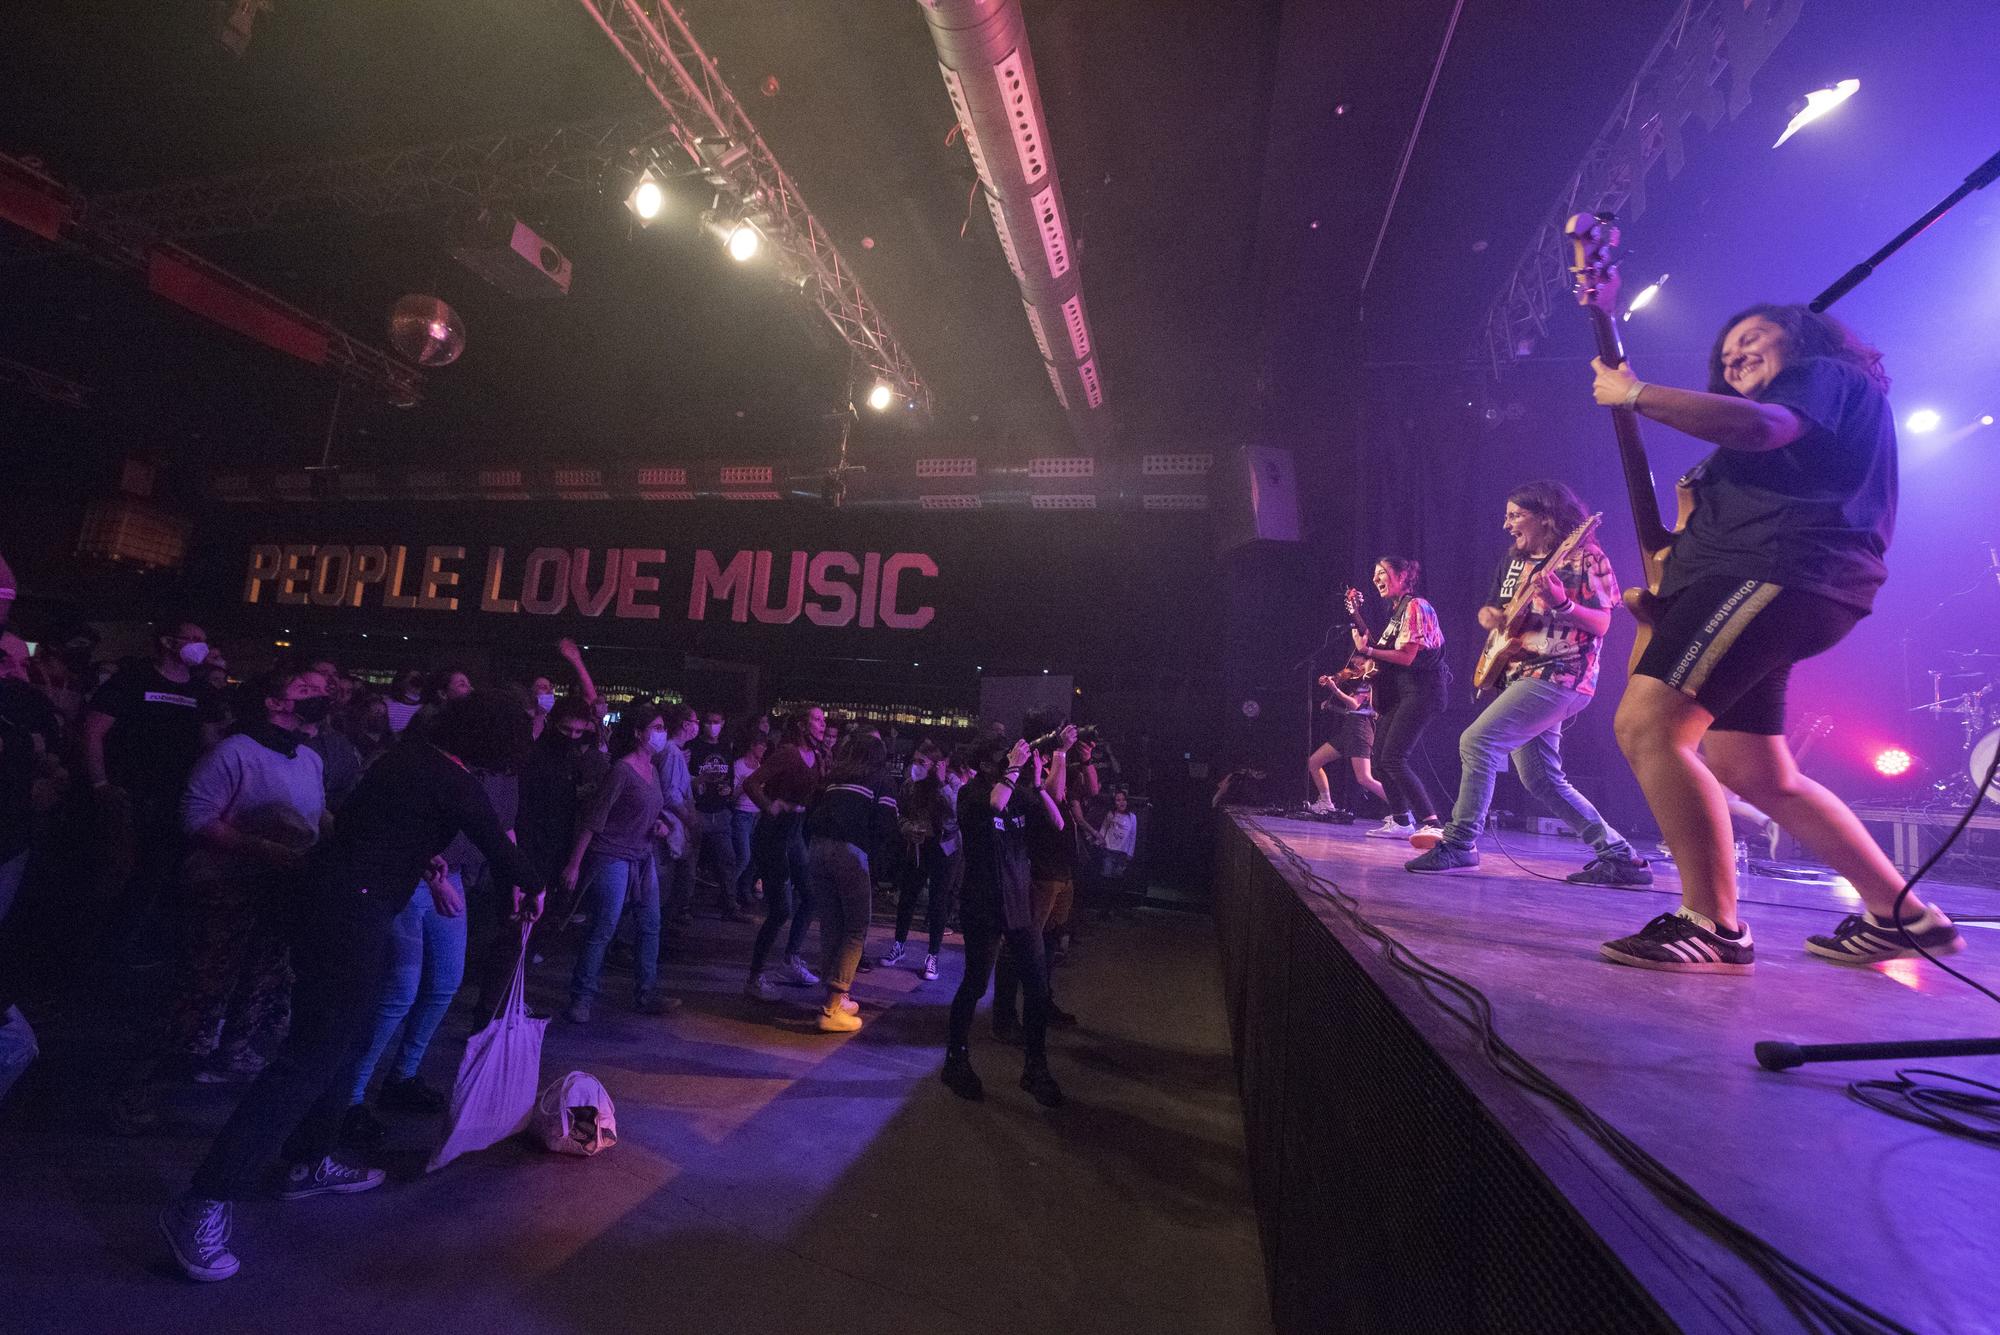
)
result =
(1549, 678)
(1780, 557)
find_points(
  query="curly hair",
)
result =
(1808, 334)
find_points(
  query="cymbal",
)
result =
(1964, 655)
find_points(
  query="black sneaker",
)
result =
(361, 1129)
(328, 1176)
(197, 1232)
(1682, 942)
(1604, 869)
(1038, 1082)
(411, 1095)
(1443, 857)
(960, 1078)
(1862, 938)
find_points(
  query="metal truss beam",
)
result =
(480, 172)
(655, 40)
(1701, 66)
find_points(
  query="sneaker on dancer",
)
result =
(762, 988)
(1394, 827)
(930, 968)
(1684, 942)
(1611, 869)
(798, 972)
(328, 1176)
(1441, 856)
(1428, 835)
(1320, 806)
(1863, 938)
(197, 1232)
(959, 1077)
(892, 956)
(834, 1019)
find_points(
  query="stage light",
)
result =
(743, 243)
(1986, 420)
(648, 198)
(1893, 762)
(1816, 104)
(881, 396)
(1646, 295)
(1922, 420)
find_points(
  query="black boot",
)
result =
(1038, 1082)
(959, 1077)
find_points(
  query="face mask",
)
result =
(313, 709)
(545, 701)
(919, 772)
(655, 741)
(194, 653)
(714, 730)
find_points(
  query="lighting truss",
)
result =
(1701, 66)
(42, 384)
(718, 135)
(481, 172)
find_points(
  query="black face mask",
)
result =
(313, 709)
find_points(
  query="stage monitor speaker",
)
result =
(1259, 493)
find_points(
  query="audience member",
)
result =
(782, 787)
(851, 815)
(612, 858)
(743, 815)
(711, 767)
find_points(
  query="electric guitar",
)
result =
(1593, 241)
(1503, 642)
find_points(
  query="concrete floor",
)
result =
(768, 1178)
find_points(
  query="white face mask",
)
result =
(655, 741)
(714, 730)
(194, 653)
(919, 772)
(545, 701)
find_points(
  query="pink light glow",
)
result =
(1893, 762)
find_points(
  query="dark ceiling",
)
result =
(1199, 143)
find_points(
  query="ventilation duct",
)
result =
(982, 48)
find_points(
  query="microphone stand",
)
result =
(1778, 1055)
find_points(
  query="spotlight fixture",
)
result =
(1816, 104)
(1893, 762)
(881, 396)
(1921, 421)
(1645, 295)
(648, 198)
(738, 236)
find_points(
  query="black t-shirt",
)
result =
(554, 782)
(995, 892)
(156, 739)
(1051, 851)
(25, 716)
(710, 765)
(1816, 514)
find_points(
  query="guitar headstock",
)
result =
(1593, 240)
(1580, 534)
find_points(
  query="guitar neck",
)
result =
(1654, 534)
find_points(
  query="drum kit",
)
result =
(1977, 711)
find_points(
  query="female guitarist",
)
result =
(1545, 678)
(1781, 556)
(1409, 692)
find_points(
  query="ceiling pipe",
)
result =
(989, 74)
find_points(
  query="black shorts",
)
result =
(1349, 733)
(1730, 645)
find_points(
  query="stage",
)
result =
(1404, 1183)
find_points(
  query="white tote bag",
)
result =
(575, 1115)
(494, 1095)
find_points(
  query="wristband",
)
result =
(1568, 606)
(1632, 396)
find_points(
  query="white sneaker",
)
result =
(761, 988)
(837, 1021)
(800, 974)
(930, 968)
(1321, 806)
(1392, 829)
(1427, 837)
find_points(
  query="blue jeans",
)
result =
(426, 965)
(1526, 720)
(742, 824)
(606, 883)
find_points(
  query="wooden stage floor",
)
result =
(1904, 1217)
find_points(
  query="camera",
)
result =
(1051, 742)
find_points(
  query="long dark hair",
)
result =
(633, 722)
(1808, 333)
(1553, 501)
(858, 759)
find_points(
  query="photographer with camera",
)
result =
(994, 811)
(1052, 860)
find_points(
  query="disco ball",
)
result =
(425, 330)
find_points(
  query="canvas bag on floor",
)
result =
(494, 1095)
(575, 1116)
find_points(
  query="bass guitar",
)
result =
(1593, 239)
(1504, 641)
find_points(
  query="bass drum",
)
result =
(1982, 760)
